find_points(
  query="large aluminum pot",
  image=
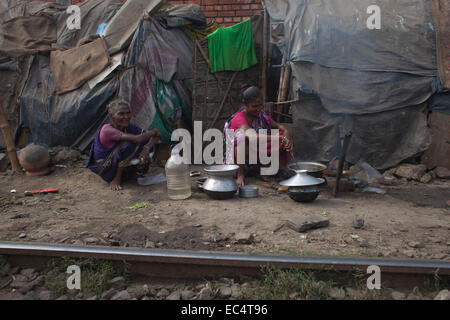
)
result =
(221, 183)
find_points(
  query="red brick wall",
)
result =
(225, 12)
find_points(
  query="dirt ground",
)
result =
(412, 220)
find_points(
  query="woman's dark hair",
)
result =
(251, 94)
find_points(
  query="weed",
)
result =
(95, 275)
(281, 284)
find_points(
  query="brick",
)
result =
(227, 19)
(209, 8)
(210, 13)
(227, 14)
(256, 6)
(241, 13)
(206, 2)
(237, 19)
(218, 8)
(219, 19)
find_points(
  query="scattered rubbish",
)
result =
(138, 205)
(373, 189)
(22, 235)
(363, 174)
(358, 223)
(279, 226)
(13, 191)
(21, 215)
(194, 173)
(324, 213)
(386, 180)
(60, 166)
(146, 181)
(354, 236)
(101, 29)
(44, 191)
(243, 238)
(302, 224)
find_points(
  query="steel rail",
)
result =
(202, 264)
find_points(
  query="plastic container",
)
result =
(178, 178)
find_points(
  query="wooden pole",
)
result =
(264, 56)
(10, 147)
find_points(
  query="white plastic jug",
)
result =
(178, 177)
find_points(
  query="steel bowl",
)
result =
(314, 169)
(248, 191)
(218, 195)
(222, 170)
(303, 194)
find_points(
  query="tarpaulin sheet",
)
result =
(157, 55)
(119, 31)
(59, 120)
(72, 68)
(360, 72)
(382, 139)
(28, 35)
(93, 13)
(391, 63)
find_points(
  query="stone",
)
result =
(293, 295)
(122, 295)
(90, 240)
(118, 283)
(398, 295)
(235, 291)
(243, 238)
(20, 278)
(442, 172)
(358, 223)
(411, 171)
(145, 298)
(363, 243)
(439, 256)
(29, 273)
(187, 294)
(336, 293)
(224, 292)
(162, 293)
(4, 161)
(45, 295)
(305, 223)
(409, 253)
(415, 244)
(66, 155)
(354, 294)
(205, 294)
(426, 178)
(63, 297)
(22, 236)
(92, 298)
(443, 295)
(108, 294)
(176, 295)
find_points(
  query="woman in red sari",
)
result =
(251, 116)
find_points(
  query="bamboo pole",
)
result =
(264, 55)
(10, 147)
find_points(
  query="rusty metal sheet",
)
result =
(441, 17)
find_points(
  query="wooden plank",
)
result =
(441, 17)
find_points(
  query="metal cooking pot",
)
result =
(314, 169)
(220, 183)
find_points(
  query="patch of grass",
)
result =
(279, 284)
(138, 206)
(95, 275)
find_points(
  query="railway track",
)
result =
(180, 264)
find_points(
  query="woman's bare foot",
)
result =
(240, 180)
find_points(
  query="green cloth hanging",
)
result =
(232, 48)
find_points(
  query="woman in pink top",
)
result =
(251, 116)
(117, 143)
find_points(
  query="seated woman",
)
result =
(116, 144)
(251, 116)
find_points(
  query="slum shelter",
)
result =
(141, 51)
(380, 85)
